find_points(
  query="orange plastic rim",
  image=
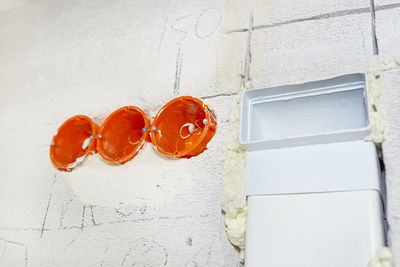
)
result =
(183, 128)
(122, 134)
(68, 144)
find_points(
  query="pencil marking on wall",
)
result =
(71, 242)
(142, 251)
(83, 217)
(105, 253)
(143, 210)
(162, 34)
(126, 210)
(48, 206)
(126, 255)
(246, 70)
(207, 14)
(24, 253)
(363, 41)
(92, 215)
(178, 70)
(3, 251)
(64, 209)
(181, 32)
(26, 256)
(45, 216)
(25, 229)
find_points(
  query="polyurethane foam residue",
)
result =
(384, 258)
(234, 179)
(379, 131)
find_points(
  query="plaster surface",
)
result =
(62, 58)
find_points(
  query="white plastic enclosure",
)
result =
(323, 111)
(313, 184)
(313, 230)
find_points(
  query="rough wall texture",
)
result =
(391, 156)
(61, 58)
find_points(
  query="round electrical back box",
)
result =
(73, 142)
(183, 127)
(122, 134)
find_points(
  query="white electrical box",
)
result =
(313, 186)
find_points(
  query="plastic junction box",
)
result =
(313, 186)
(67, 145)
(331, 110)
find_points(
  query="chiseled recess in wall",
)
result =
(234, 178)
(234, 175)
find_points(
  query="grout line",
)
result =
(373, 28)
(336, 14)
(389, 6)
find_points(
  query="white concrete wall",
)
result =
(61, 58)
(391, 153)
(66, 57)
